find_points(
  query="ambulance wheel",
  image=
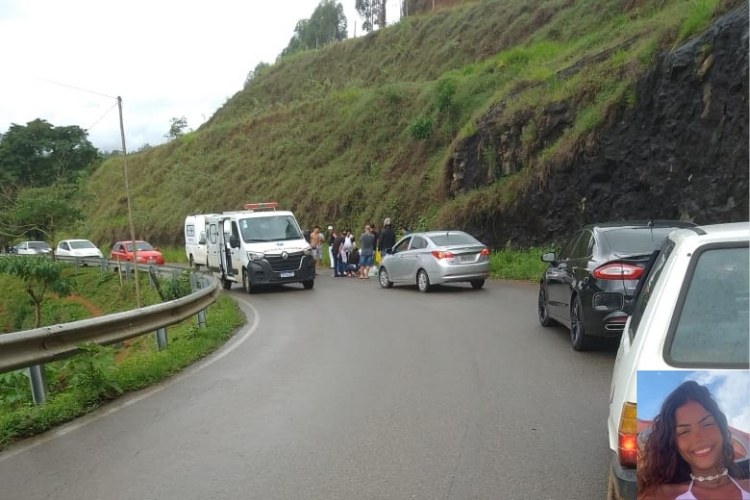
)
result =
(246, 282)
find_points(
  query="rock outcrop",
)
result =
(680, 151)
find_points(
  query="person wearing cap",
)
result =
(387, 237)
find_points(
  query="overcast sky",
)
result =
(67, 61)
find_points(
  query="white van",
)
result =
(258, 246)
(195, 240)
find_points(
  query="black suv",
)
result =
(589, 283)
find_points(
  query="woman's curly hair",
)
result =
(660, 461)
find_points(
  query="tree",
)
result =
(177, 128)
(327, 24)
(40, 211)
(39, 275)
(40, 154)
(372, 13)
(260, 68)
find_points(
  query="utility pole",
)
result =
(130, 209)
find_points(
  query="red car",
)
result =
(123, 250)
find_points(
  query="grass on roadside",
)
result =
(517, 264)
(86, 381)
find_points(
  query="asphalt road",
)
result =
(349, 391)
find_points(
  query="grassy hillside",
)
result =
(364, 129)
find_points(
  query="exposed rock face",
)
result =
(681, 152)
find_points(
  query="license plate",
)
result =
(287, 275)
(466, 258)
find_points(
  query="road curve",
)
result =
(349, 391)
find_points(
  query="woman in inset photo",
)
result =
(688, 455)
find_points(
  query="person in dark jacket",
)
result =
(387, 238)
(339, 264)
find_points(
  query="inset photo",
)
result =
(693, 434)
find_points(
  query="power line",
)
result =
(77, 88)
(102, 117)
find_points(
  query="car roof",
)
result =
(732, 231)
(635, 224)
(435, 233)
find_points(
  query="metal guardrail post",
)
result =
(161, 338)
(38, 384)
(152, 276)
(196, 283)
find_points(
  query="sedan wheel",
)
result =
(423, 281)
(383, 278)
(578, 338)
(477, 284)
(542, 310)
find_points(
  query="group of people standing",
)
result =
(349, 256)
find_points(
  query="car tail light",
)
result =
(618, 271)
(439, 254)
(485, 252)
(627, 436)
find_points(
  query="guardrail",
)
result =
(31, 348)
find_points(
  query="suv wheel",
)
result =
(578, 338)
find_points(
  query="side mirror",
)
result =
(549, 257)
(234, 241)
(389, 251)
(202, 240)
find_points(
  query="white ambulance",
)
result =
(195, 240)
(260, 245)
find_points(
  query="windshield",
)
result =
(142, 245)
(274, 228)
(78, 245)
(630, 241)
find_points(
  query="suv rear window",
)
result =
(712, 326)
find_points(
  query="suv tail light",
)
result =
(618, 271)
(627, 436)
(439, 254)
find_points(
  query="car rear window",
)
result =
(630, 240)
(447, 239)
(712, 327)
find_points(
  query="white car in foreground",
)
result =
(691, 313)
(78, 248)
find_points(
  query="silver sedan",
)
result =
(433, 258)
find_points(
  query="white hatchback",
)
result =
(78, 248)
(691, 312)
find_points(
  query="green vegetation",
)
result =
(523, 265)
(365, 128)
(83, 382)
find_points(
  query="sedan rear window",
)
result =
(712, 327)
(632, 241)
(447, 239)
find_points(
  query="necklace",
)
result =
(708, 478)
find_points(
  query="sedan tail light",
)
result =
(618, 271)
(627, 436)
(440, 254)
(485, 252)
